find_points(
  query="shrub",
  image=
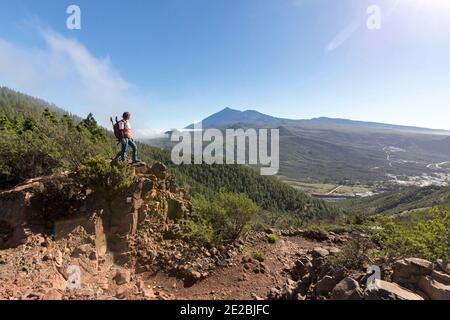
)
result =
(198, 230)
(38, 144)
(353, 255)
(220, 220)
(258, 255)
(27, 155)
(105, 180)
(272, 238)
(426, 235)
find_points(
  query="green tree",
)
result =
(221, 220)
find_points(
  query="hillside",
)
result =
(41, 139)
(401, 201)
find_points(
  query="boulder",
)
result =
(444, 266)
(408, 271)
(347, 289)
(122, 293)
(141, 168)
(383, 290)
(159, 170)
(176, 209)
(434, 289)
(122, 276)
(301, 268)
(320, 253)
(81, 250)
(441, 277)
(194, 275)
(148, 293)
(325, 285)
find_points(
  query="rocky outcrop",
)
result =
(57, 205)
(347, 289)
(313, 276)
(62, 225)
(430, 280)
(434, 289)
(383, 290)
(408, 271)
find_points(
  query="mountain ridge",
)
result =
(230, 116)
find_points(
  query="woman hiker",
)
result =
(127, 138)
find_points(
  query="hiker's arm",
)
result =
(122, 132)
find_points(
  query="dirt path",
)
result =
(241, 280)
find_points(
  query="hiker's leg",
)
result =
(134, 148)
(124, 150)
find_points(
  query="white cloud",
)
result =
(143, 134)
(64, 71)
(97, 79)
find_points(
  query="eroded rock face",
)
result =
(408, 271)
(441, 277)
(138, 232)
(383, 290)
(34, 206)
(434, 289)
(57, 205)
(444, 266)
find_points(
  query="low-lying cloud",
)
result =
(65, 71)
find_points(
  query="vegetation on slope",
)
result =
(38, 139)
(221, 220)
(267, 192)
(424, 234)
(421, 233)
(400, 201)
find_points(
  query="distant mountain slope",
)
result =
(230, 116)
(12, 102)
(345, 123)
(397, 202)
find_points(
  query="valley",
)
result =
(367, 158)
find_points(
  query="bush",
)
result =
(26, 156)
(221, 220)
(199, 230)
(425, 235)
(258, 255)
(37, 144)
(272, 238)
(105, 180)
(353, 255)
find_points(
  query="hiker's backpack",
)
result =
(116, 129)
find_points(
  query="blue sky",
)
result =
(174, 62)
